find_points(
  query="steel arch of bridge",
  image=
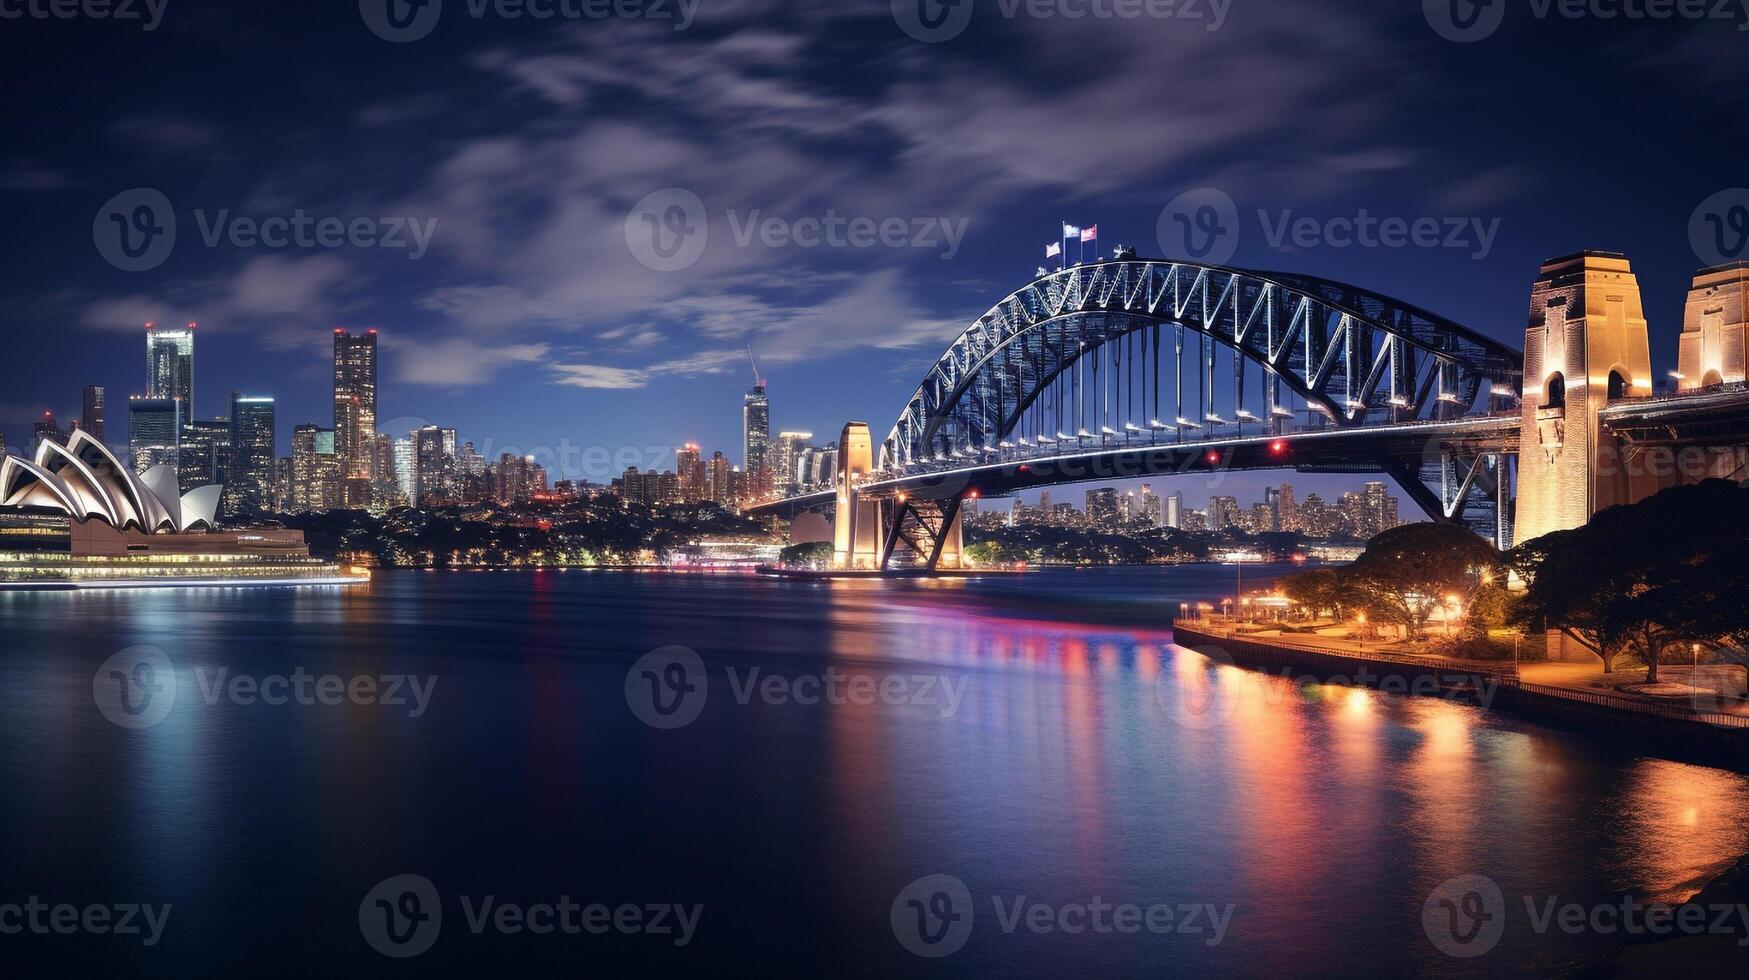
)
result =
(1359, 356)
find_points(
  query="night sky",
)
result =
(530, 322)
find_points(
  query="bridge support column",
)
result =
(929, 531)
(856, 537)
(1585, 345)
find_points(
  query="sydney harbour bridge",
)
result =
(1150, 368)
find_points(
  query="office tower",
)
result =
(1174, 516)
(434, 450)
(1152, 511)
(92, 419)
(154, 432)
(406, 470)
(756, 429)
(282, 483)
(315, 469)
(1223, 512)
(355, 402)
(170, 365)
(717, 487)
(206, 447)
(1102, 505)
(785, 459)
(689, 469)
(249, 474)
(47, 429)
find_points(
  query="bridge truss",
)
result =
(1134, 351)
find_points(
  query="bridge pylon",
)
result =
(929, 530)
(1585, 346)
(856, 537)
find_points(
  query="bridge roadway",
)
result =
(1393, 450)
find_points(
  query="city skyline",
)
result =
(569, 337)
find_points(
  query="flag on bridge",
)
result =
(1090, 233)
(1053, 249)
(1069, 230)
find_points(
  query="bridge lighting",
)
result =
(1213, 457)
(1107, 430)
(1278, 446)
(1282, 413)
(1063, 436)
(1131, 427)
(1450, 398)
(1025, 468)
(1245, 414)
(1083, 434)
(1399, 401)
(1005, 444)
(1156, 424)
(973, 494)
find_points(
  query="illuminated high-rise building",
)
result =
(315, 469)
(756, 432)
(249, 475)
(717, 486)
(170, 365)
(689, 470)
(206, 448)
(154, 432)
(434, 453)
(355, 402)
(92, 419)
(786, 456)
(48, 430)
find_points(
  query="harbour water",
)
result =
(1038, 739)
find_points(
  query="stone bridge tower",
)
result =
(1586, 344)
(856, 538)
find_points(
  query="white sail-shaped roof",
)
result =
(84, 480)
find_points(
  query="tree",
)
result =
(1641, 578)
(1316, 589)
(814, 553)
(1406, 571)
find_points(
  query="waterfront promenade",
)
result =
(1705, 703)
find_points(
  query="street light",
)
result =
(1361, 618)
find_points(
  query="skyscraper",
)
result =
(690, 471)
(1174, 516)
(1102, 505)
(154, 432)
(407, 470)
(756, 431)
(355, 402)
(717, 479)
(170, 366)
(92, 419)
(249, 475)
(206, 447)
(48, 429)
(315, 469)
(434, 451)
(785, 458)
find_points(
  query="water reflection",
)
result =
(1090, 756)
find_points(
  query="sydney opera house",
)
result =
(75, 517)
